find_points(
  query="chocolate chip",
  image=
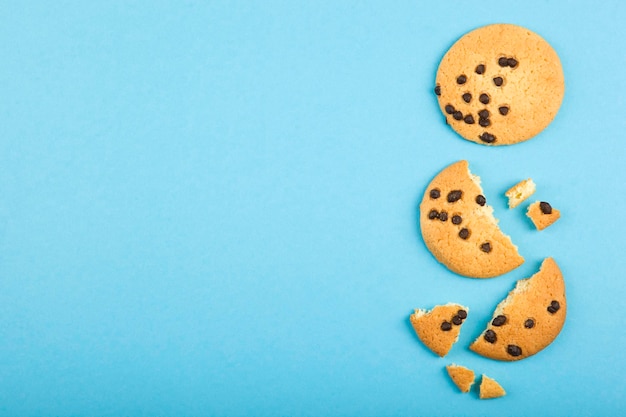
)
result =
(435, 193)
(480, 69)
(464, 233)
(484, 98)
(487, 137)
(490, 336)
(457, 115)
(433, 214)
(461, 79)
(456, 219)
(554, 307)
(446, 326)
(454, 195)
(469, 119)
(546, 208)
(504, 110)
(449, 108)
(467, 97)
(483, 114)
(438, 90)
(529, 323)
(481, 200)
(498, 81)
(512, 62)
(499, 320)
(484, 122)
(443, 216)
(486, 247)
(457, 320)
(514, 350)
(503, 62)
(462, 314)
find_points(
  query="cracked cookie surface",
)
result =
(500, 84)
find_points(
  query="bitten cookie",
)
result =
(489, 388)
(542, 214)
(500, 84)
(439, 328)
(528, 319)
(462, 377)
(520, 192)
(459, 228)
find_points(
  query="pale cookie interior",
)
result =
(489, 388)
(528, 319)
(520, 192)
(428, 326)
(463, 234)
(462, 377)
(540, 219)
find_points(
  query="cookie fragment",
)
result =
(440, 327)
(489, 388)
(528, 319)
(542, 214)
(462, 377)
(471, 243)
(520, 192)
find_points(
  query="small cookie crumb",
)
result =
(542, 214)
(462, 377)
(489, 388)
(520, 192)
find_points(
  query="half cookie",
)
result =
(459, 228)
(529, 319)
(462, 377)
(439, 328)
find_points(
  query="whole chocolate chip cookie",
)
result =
(500, 84)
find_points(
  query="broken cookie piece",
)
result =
(462, 377)
(542, 214)
(439, 328)
(520, 192)
(489, 388)
(459, 228)
(528, 319)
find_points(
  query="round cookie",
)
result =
(459, 228)
(500, 84)
(529, 319)
(440, 327)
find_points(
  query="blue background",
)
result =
(210, 208)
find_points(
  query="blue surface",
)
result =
(210, 209)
